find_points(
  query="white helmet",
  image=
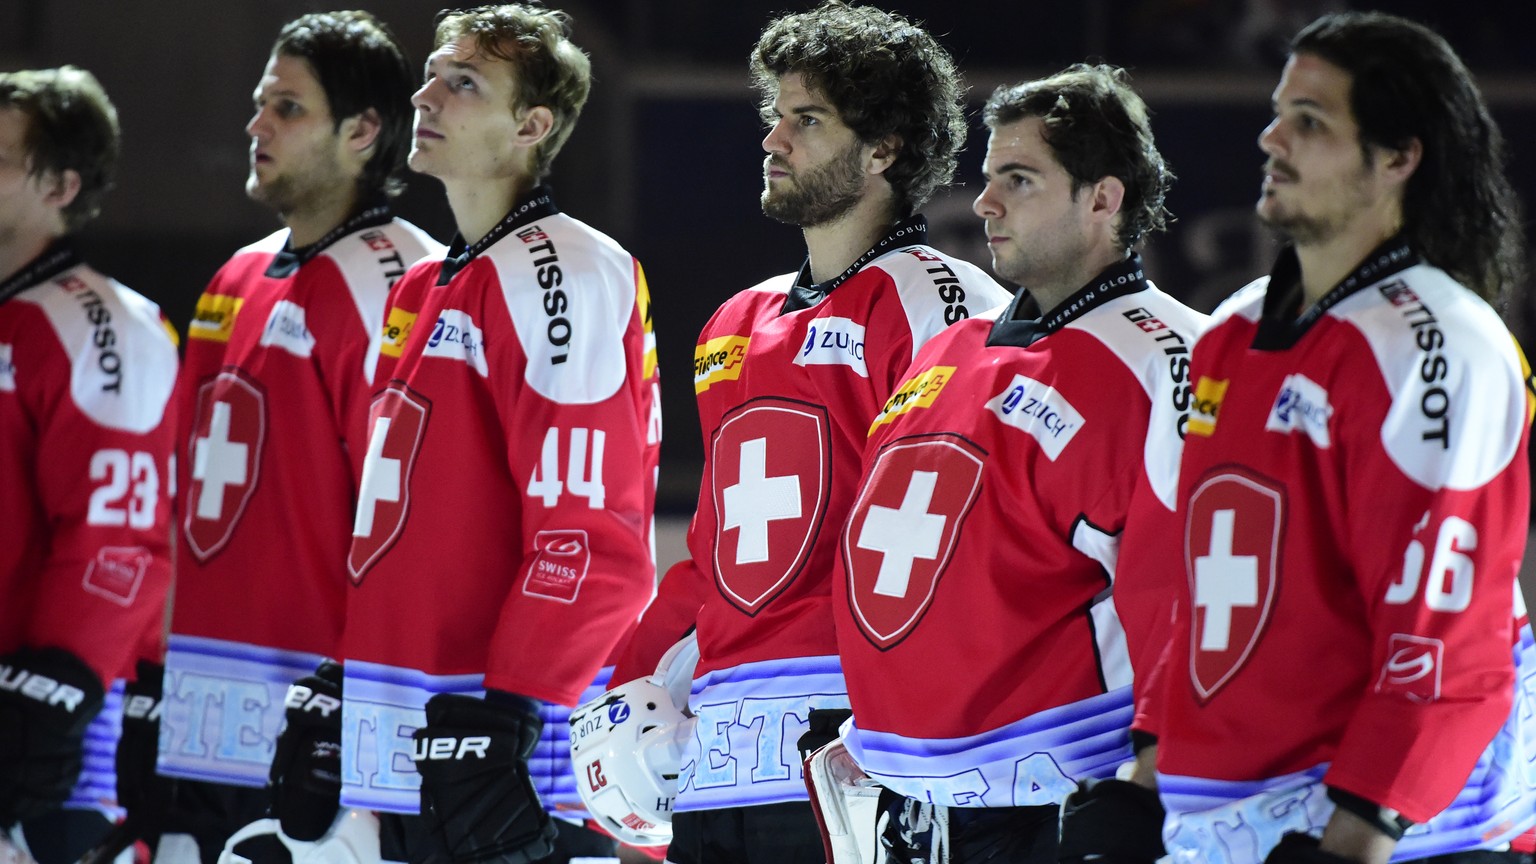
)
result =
(627, 746)
(352, 839)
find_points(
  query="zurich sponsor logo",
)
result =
(456, 337)
(834, 342)
(1039, 410)
(1302, 404)
(618, 712)
(7, 369)
(286, 330)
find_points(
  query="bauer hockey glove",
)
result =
(306, 769)
(48, 697)
(1111, 822)
(143, 793)
(476, 794)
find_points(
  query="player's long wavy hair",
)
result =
(1097, 126)
(548, 69)
(360, 66)
(1459, 209)
(885, 76)
(71, 126)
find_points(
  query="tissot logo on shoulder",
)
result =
(103, 337)
(556, 303)
(947, 283)
(1434, 368)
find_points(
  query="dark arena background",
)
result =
(667, 155)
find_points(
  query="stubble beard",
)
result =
(819, 195)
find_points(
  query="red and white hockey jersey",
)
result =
(980, 557)
(1354, 492)
(501, 538)
(789, 376)
(87, 368)
(275, 387)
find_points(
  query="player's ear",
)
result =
(534, 126)
(884, 154)
(62, 187)
(361, 130)
(1107, 194)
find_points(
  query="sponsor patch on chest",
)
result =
(397, 328)
(834, 341)
(717, 360)
(286, 330)
(1209, 392)
(1302, 405)
(7, 369)
(455, 337)
(1039, 410)
(918, 391)
(214, 317)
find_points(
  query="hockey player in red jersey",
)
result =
(1351, 656)
(87, 368)
(864, 119)
(1048, 427)
(281, 356)
(506, 495)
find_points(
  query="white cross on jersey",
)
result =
(1223, 581)
(381, 479)
(905, 535)
(218, 462)
(757, 499)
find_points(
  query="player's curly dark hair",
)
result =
(1097, 126)
(359, 65)
(885, 76)
(1459, 209)
(71, 126)
(548, 68)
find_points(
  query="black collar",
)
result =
(58, 257)
(1283, 323)
(538, 204)
(804, 294)
(289, 259)
(1019, 326)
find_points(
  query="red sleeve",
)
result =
(670, 616)
(103, 494)
(586, 522)
(1435, 549)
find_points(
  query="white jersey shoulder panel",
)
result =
(571, 293)
(1454, 375)
(1152, 335)
(370, 261)
(268, 245)
(123, 362)
(937, 289)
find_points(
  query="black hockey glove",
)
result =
(1297, 848)
(1111, 822)
(821, 729)
(143, 793)
(48, 697)
(306, 769)
(476, 795)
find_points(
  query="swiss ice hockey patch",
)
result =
(559, 565)
(116, 573)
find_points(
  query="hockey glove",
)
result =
(143, 793)
(821, 729)
(476, 795)
(1297, 848)
(48, 697)
(306, 769)
(1111, 822)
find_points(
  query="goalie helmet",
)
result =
(627, 747)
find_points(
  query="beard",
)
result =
(818, 195)
(1301, 228)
